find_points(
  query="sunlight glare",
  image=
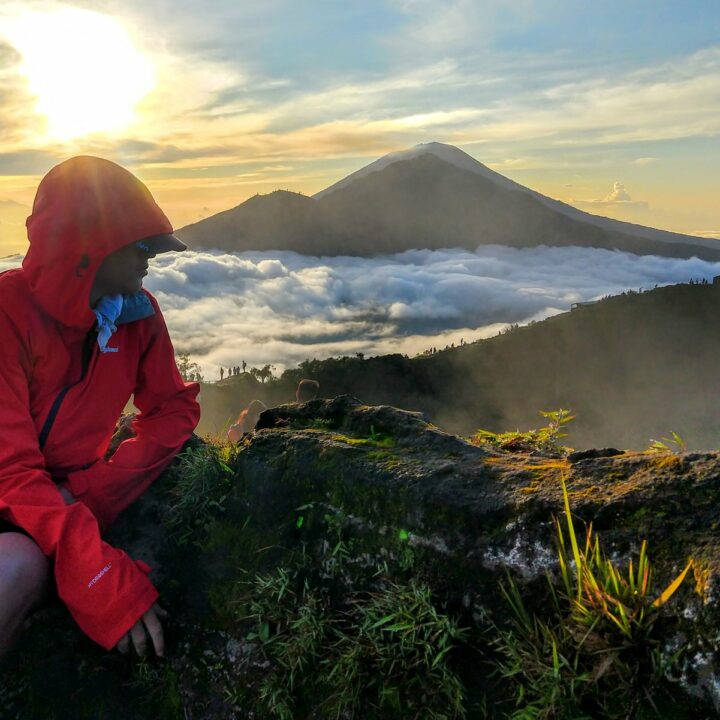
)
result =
(83, 69)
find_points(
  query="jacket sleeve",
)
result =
(168, 416)
(104, 590)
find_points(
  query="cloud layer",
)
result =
(283, 308)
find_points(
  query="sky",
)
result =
(283, 308)
(613, 107)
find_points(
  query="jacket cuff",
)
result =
(118, 624)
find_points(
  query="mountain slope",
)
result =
(424, 201)
(433, 196)
(632, 367)
(456, 157)
(281, 220)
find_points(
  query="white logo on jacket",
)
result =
(99, 575)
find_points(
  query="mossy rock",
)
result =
(328, 507)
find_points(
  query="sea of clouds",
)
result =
(281, 307)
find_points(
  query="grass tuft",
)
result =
(599, 654)
(543, 440)
(201, 479)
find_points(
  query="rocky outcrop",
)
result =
(272, 557)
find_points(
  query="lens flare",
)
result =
(83, 69)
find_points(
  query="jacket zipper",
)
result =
(87, 353)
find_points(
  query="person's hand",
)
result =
(148, 624)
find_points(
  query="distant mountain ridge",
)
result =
(432, 196)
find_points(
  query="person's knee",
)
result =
(24, 570)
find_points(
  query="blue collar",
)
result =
(135, 307)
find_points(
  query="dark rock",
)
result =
(579, 455)
(357, 499)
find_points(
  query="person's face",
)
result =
(121, 272)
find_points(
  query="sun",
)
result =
(83, 69)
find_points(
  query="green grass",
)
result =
(383, 655)
(348, 633)
(674, 444)
(599, 652)
(544, 440)
(200, 480)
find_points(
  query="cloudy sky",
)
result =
(282, 308)
(612, 106)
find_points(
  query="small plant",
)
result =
(390, 658)
(384, 655)
(343, 640)
(157, 687)
(375, 436)
(321, 423)
(291, 626)
(674, 444)
(599, 655)
(202, 480)
(544, 439)
(601, 591)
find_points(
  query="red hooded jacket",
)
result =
(60, 398)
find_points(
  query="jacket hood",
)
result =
(85, 208)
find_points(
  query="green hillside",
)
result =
(632, 367)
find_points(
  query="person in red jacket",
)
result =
(78, 337)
